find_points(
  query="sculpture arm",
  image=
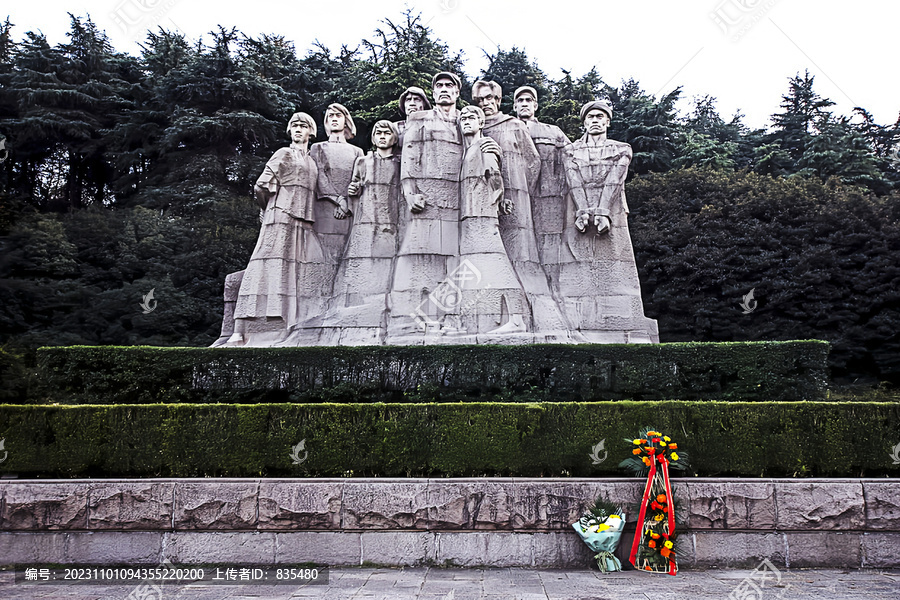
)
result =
(532, 161)
(414, 200)
(575, 181)
(267, 184)
(614, 186)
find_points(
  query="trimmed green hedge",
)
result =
(470, 439)
(744, 371)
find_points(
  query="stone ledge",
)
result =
(376, 504)
(699, 550)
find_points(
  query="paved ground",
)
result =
(506, 584)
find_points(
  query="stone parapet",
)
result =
(465, 522)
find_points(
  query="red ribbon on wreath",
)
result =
(639, 530)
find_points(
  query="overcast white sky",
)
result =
(740, 51)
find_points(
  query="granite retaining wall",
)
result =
(465, 522)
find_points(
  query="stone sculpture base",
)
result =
(354, 326)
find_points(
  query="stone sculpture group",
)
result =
(460, 227)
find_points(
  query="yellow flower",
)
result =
(668, 544)
(662, 443)
(602, 527)
(614, 517)
(659, 517)
(652, 433)
(637, 442)
(667, 438)
(674, 456)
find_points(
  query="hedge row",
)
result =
(744, 371)
(471, 439)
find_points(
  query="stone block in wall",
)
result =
(295, 504)
(43, 506)
(484, 549)
(471, 504)
(214, 505)
(835, 506)
(388, 504)
(880, 550)
(144, 505)
(21, 548)
(882, 505)
(320, 547)
(824, 549)
(397, 548)
(561, 550)
(114, 547)
(221, 547)
(732, 549)
(729, 505)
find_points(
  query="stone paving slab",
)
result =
(428, 583)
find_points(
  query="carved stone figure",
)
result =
(429, 179)
(492, 302)
(444, 245)
(358, 312)
(598, 278)
(548, 203)
(288, 277)
(521, 169)
(335, 159)
(413, 99)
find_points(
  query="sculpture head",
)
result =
(596, 116)
(445, 88)
(525, 102)
(384, 134)
(337, 119)
(471, 119)
(299, 123)
(487, 95)
(413, 100)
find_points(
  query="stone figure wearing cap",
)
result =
(358, 309)
(335, 159)
(288, 277)
(429, 179)
(598, 277)
(548, 203)
(521, 171)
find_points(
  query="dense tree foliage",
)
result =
(130, 174)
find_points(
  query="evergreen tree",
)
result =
(803, 112)
(647, 124)
(401, 55)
